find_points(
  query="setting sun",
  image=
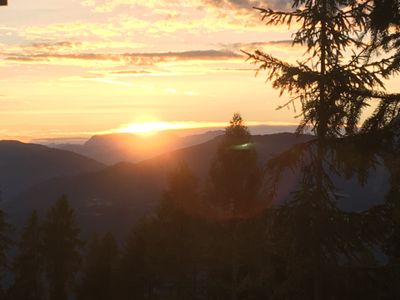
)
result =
(152, 127)
(148, 128)
(199, 149)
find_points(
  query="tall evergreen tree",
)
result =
(163, 253)
(384, 26)
(61, 245)
(233, 189)
(235, 178)
(136, 278)
(99, 269)
(5, 243)
(181, 233)
(28, 264)
(182, 193)
(333, 88)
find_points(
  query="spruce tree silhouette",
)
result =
(333, 89)
(167, 247)
(384, 26)
(5, 243)
(61, 246)
(28, 264)
(233, 188)
(99, 269)
(235, 177)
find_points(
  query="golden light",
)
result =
(148, 128)
(151, 127)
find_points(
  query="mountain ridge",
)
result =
(117, 196)
(113, 148)
(25, 164)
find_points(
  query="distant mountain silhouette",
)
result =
(119, 195)
(125, 147)
(23, 165)
(116, 197)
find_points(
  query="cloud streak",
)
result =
(249, 4)
(127, 58)
(102, 6)
(284, 44)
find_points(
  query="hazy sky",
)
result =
(73, 67)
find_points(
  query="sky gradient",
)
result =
(78, 67)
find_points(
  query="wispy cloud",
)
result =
(127, 58)
(65, 50)
(122, 52)
(102, 6)
(249, 4)
(282, 43)
(51, 46)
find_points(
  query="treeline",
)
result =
(202, 242)
(220, 240)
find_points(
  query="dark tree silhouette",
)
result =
(332, 87)
(384, 25)
(182, 194)
(28, 264)
(137, 278)
(99, 269)
(315, 237)
(163, 253)
(233, 189)
(5, 243)
(61, 245)
(235, 177)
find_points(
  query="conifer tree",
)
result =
(181, 195)
(384, 26)
(99, 269)
(180, 232)
(333, 88)
(166, 247)
(235, 178)
(61, 245)
(5, 243)
(28, 264)
(136, 278)
(233, 190)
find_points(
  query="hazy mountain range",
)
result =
(113, 148)
(22, 165)
(116, 196)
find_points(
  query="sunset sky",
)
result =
(77, 67)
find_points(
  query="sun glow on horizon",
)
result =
(153, 127)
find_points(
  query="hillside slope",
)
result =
(117, 196)
(23, 165)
